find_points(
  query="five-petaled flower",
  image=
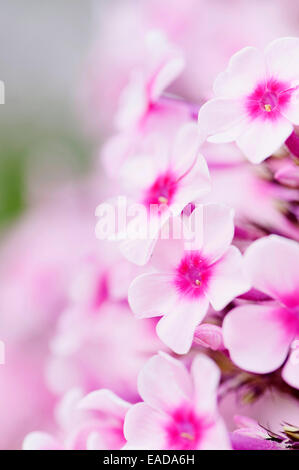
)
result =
(256, 100)
(189, 276)
(179, 409)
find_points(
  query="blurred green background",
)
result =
(43, 48)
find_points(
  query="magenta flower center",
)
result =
(268, 99)
(192, 275)
(162, 190)
(185, 429)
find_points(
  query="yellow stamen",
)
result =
(197, 282)
(268, 108)
(163, 200)
(186, 435)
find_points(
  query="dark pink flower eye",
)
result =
(268, 99)
(192, 275)
(185, 429)
(162, 190)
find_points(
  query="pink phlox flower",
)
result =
(179, 408)
(89, 351)
(256, 100)
(188, 275)
(163, 64)
(90, 422)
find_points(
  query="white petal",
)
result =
(273, 266)
(292, 110)
(105, 401)
(217, 224)
(152, 294)
(164, 383)
(145, 428)
(222, 117)
(177, 328)
(216, 437)
(246, 68)
(282, 59)
(185, 148)
(228, 279)
(263, 137)
(256, 337)
(195, 184)
(206, 377)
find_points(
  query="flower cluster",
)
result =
(197, 224)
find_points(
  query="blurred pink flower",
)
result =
(91, 422)
(179, 409)
(187, 279)
(288, 174)
(256, 100)
(38, 258)
(102, 348)
(25, 400)
(162, 64)
(161, 123)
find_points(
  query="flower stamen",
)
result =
(268, 108)
(186, 435)
(163, 200)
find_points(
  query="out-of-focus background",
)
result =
(64, 65)
(43, 49)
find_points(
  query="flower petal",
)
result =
(176, 329)
(222, 119)
(194, 185)
(292, 110)
(138, 250)
(256, 338)
(185, 148)
(166, 75)
(105, 401)
(262, 138)
(152, 295)
(133, 102)
(243, 442)
(164, 383)
(206, 376)
(216, 437)
(217, 223)
(40, 441)
(273, 267)
(144, 428)
(282, 58)
(228, 279)
(168, 252)
(245, 69)
(290, 372)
